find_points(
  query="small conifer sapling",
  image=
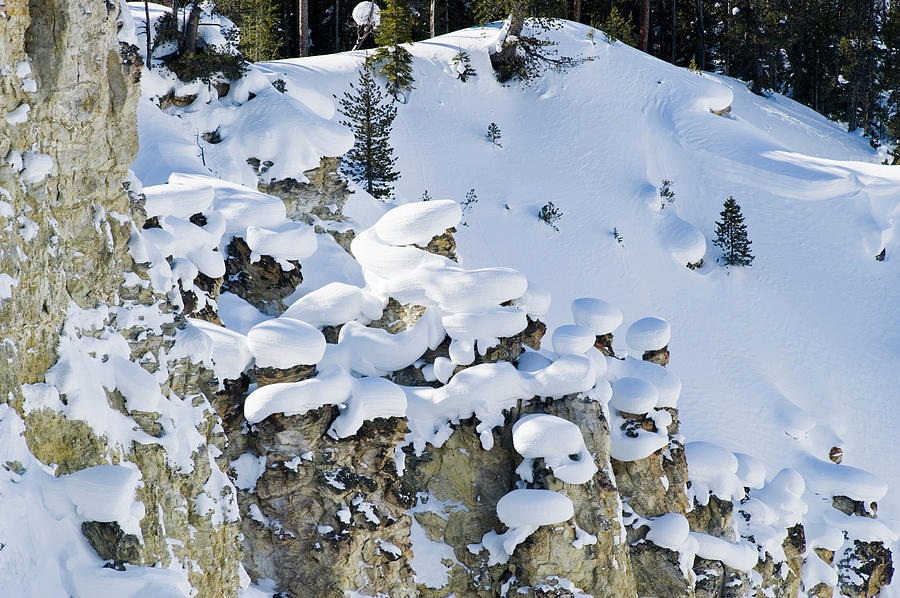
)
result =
(493, 134)
(550, 214)
(731, 236)
(470, 200)
(666, 195)
(462, 64)
(370, 162)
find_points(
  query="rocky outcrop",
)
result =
(322, 197)
(864, 568)
(262, 282)
(328, 514)
(68, 133)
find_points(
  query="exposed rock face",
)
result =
(262, 283)
(328, 514)
(68, 94)
(78, 126)
(323, 196)
(864, 568)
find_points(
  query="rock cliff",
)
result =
(103, 368)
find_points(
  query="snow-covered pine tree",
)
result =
(395, 61)
(371, 160)
(731, 236)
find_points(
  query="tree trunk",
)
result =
(576, 11)
(149, 42)
(701, 37)
(191, 30)
(337, 25)
(644, 42)
(447, 18)
(504, 54)
(674, 29)
(431, 20)
(303, 26)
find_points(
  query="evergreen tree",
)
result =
(371, 160)
(395, 61)
(731, 236)
(258, 22)
(617, 28)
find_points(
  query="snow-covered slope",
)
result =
(781, 360)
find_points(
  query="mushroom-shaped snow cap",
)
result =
(542, 435)
(669, 530)
(633, 395)
(572, 339)
(417, 223)
(598, 315)
(708, 460)
(648, 334)
(283, 343)
(531, 507)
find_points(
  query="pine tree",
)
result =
(395, 61)
(371, 160)
(617, 28)
(258, 23)
(731, 236)
(493, 134)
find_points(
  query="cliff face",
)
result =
(370, 513)
(74, 303)
(102, 368)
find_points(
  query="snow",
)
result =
(7, 284)
(290, 241)
(334, 304)
(751, 471)
(284, 342)
(248, 468)
(417, 223)
(596, 314)
(19, 115)
(523, 511)
(529, 507)
(633, 395)
(181, 199)
(648, 334)
(230, 353)
(642, 443)
(666, 382)
(367, 13)
(37, 167)
(685, 242)
(44, 551)
(557, 441)
(668, 531)
(572, 339)
(103, 492)
(737, 555)
(829, 479)
(712, 470)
